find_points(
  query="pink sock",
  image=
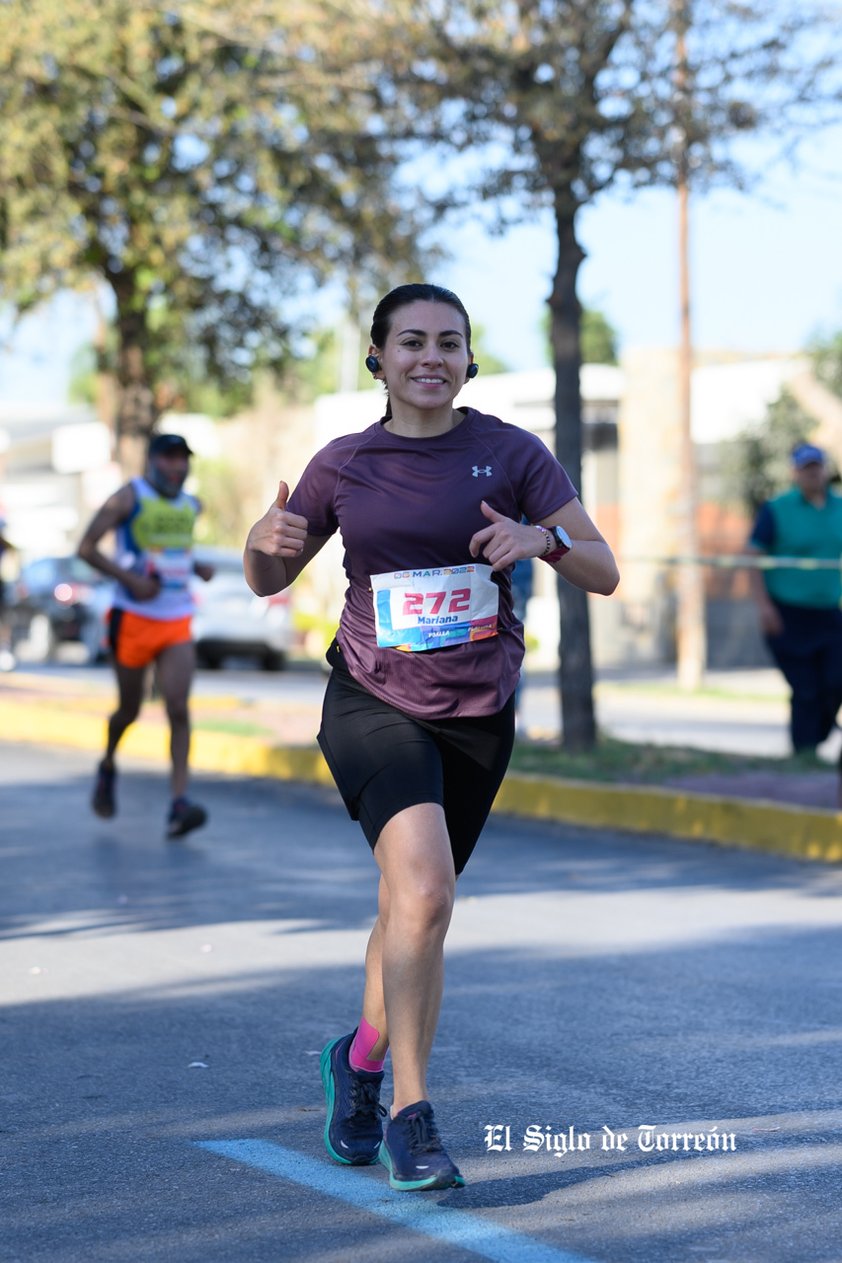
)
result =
(361, 1045)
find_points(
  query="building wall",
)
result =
(56, 470)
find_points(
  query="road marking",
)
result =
(414, 1211)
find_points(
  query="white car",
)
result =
(231, 622)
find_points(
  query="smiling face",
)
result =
(425, 356)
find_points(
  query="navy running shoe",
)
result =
(103, 801)
(184, 816)
(353, 1127)
(413, 1153)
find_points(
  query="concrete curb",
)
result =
(774, 827)
(766, 826)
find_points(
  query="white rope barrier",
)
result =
(750, 561)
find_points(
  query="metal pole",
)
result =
(691, 639)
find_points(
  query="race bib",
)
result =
(430, 609)
(173, 566)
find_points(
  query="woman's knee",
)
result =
(418, 876)
(424, 904)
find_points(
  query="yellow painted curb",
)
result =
(775, 827)
(253, 756)
(34, 722)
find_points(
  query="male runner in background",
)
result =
(153, 520)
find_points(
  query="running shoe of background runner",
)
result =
(353, 1127)
(184, 816)
(413, 1153)
(102, 800)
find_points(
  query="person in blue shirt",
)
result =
(800, 609)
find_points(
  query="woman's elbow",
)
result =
(609, 580)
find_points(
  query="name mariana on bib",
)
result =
(433, 607)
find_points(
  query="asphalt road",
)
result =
(163, 1006)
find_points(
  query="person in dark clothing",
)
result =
(799, 606)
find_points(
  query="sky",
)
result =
(766, 276)
(765, 266)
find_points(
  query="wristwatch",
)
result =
(558, 543)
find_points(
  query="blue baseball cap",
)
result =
(807, 454)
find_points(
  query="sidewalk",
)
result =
(792, 813)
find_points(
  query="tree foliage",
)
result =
(760, 463)
(599, 342)
(598, 338)
(826, 355)
(205, 162)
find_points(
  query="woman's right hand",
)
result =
(278, 533)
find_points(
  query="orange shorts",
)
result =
(136, 641)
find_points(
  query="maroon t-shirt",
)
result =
(409, 503)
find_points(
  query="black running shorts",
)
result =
(384, 761)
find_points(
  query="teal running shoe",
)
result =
(413, 1154)
(353, 1128)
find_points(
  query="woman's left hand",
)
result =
(505, 541)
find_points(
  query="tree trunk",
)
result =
(578, 723)
(691, 644)
(136, 411)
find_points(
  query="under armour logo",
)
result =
(485, 469)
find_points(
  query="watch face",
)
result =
(561, 536)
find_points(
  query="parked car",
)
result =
(56, 600)
(230, 621)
